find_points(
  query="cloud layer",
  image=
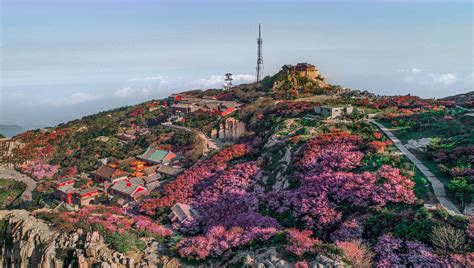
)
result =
(418, 76)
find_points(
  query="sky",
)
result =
(63, 59)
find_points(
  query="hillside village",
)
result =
(149, 171)
(137, 176)
(299, 167)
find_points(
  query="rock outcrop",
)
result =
(7, 146)
(269, 257)
(299, 78)
(229, 129)
(29, 242)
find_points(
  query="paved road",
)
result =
(10, 173)
(465, 109)
(438, 187)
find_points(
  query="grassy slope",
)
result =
(10, 190)
(433, 124)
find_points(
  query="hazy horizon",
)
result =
(61, 60)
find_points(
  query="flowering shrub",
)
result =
(218, 239)
(71, 172)
(333, 151)
(315, 201)
(470, 229)
(111, 222)
(450, 156)
(447, 103)
(39, 170)
(392, 251)
(227, 195)
(462, 260)
(356, 253)
(137, 112)
(146, 224)
(379, 146)
(39, 145)
(377, 135)
(301, 264)
(293, 108)
(395, 187)
(183, 188)
(387, 249)
(349, 230)
(402, 102)
(419, 254)
(227, 204)
(114, 219)
(300, 242)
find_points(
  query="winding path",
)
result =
(438, 187)
(210, 143)
(465, 109)
(10, 173)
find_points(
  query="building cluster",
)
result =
(69, 192)
(127, 180)
(180, 104)
(135, 177)
(132, 133)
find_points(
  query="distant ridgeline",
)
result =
(10, 130)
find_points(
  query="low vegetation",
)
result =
(10, 192)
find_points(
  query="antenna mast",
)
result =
(228, 81)
(259, 55)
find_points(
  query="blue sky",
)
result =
(64, 59)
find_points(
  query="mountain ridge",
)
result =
(288, 171)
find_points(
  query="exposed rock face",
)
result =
(269, 257)
(25, 242)
(282, 182)
(29, 242)
(295, 72)
(229, 129)
(420, 144)
(302, 70)
(7, 146)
